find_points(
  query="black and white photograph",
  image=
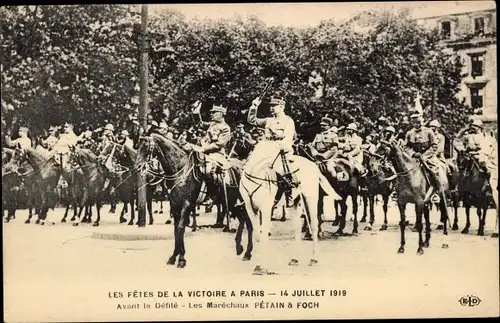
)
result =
(249, 161)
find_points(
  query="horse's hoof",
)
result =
(363, 220)
(465, 231)
(168, 222)
(440, 227)
(247, 256)
(226, 229)
(63, 220)
(494, 235)
(239, 250)
(454, 227)
(338, 233)
(355, 231)
(368, 228)
(27, 221)
(112, 211)
(96, 224)
(401, 250)
(313, 262)
(42, 223)
(151, 222)
(123, 220)
(480, 233)
(293, 262)
(161, 212)
(283, 219)
(155, 212)
(383, 227)
(171, 261)
(76, 224)
(37, 221)
(426, 244)
(193, 229)
(335, 223)
(420, 251)
(445, 246)
(131, 223)
(181, 263)
(308, 237)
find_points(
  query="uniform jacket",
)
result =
(421, 141)
(325, 143)
(217, 137)
(280, 129)
(65, 140)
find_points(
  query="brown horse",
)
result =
(183, 179)
(44, 174)
(377, 184)
(95, 174)
(473, 190)
(411, 187)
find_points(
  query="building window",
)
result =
(478, 26)
(476, 100)
(477, 65)
(446, 29)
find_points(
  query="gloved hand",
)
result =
(417, 155)
(256, 102)
(196, 107)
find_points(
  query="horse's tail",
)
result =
(327, 188)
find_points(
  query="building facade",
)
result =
(472, 36)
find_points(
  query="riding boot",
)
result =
(288, 182)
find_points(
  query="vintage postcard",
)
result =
(249, 161)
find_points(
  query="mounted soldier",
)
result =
(434, 125)
(280, 133)
(242, 143)
(23, 140)
(477, 145)
(420, 143)
(351, 150)
(50, 141)
(324, 147)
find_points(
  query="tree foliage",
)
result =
(79, 63)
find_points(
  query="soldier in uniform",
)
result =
(421, 143)
(243, 142)
(66, 139)
(352, 151)
(218, 134)
(23, 141)
(325, 145)
(434, 125)
(477, 145)
(280, 130)
(49, 142)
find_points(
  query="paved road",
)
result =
(60, 271)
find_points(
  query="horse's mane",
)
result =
(170, 143)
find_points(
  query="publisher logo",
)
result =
(469, 300)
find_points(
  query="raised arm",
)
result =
(252, 114)
(197, 114)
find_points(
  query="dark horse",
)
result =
(472, 189)
(411, 187)
(44, 176)
(95, 174)
(184, 181)
(376, 184)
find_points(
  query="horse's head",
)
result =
(144, 151)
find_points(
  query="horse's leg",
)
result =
(467, 216)
(175, 213)
(187, 208)
(253, 224)
(65, 213)
(98, 209)
(365, 205)
(427, 226)
(385, 199)
(161, 207)
(402, 223)
(150, 207)
(122, 213)
(418, 225)
(481, 213)
(310, 205)
(343, 214)
(455, 200)
(337, 217)
(355, 213)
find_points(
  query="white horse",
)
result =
(258, 187)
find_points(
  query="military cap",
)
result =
(277, 101)
(326, 121)
(434, 123)
(109, 126)
(390, 129)
(125, 132)
(477, 123)
(352, 126)
(23, 129)
(218, 108)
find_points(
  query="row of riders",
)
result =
(311, 177)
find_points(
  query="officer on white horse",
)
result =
(280, 133)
